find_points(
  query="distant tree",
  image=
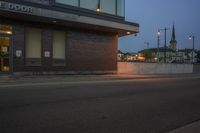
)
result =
(148, 55)
(120, 52)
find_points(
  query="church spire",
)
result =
(173, 33)
(173, 41)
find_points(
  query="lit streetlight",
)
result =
(192, 38)
(98, 6)
(165, 45)
(158, 36)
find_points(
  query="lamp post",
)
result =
(98, 6)
(165, 45)
(158, 36)
(192, 38)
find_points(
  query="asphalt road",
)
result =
(119, 106)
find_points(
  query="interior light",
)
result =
(9, 32)
(54, 21)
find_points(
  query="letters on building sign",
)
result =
(16, 7)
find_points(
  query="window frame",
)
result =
(32, 61)
(55, 60)
(80, 9)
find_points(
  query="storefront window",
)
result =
(68, 2)
(120, 7)
(114, 7)
(59, 47)
(33, 43)
(108, 6)
(89, 4)
(4, 54)
(5, 29)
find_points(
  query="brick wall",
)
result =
(88, 51)
(47, 38)
(85, 51)
(18, 44)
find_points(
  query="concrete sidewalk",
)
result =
(44, 80)
(8, 78)
(191, 128)
(67, 79)
(74, 78)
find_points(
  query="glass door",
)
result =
(4, 53)
(5, 35)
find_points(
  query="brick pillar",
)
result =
(47, 39)
(18, 41)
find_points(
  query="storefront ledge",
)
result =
(64, 73)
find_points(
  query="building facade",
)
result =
(61, 36)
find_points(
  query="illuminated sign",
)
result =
(16, 7)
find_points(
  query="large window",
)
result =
(33, 43)
(114, 7)
(69, 2)
(89, 4)
(120, 8)
(59, 47)
(108, 6)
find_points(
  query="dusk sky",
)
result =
(155, 14)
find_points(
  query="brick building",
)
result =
(61, 36)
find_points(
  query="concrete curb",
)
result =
(74, 78)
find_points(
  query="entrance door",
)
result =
(4, 53)
(5, 37)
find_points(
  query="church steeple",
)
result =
(173, 33)
(173, 41)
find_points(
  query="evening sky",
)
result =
(155, 14)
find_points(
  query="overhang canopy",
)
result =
(24, 12)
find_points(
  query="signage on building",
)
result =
(18, 53)
(46, 54)
(15, 7)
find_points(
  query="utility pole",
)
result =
(158, 36)
(165, 45)
(193, 38)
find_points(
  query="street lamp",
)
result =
(192, 38)
(98, 6)
(165, 45)
(158, 35)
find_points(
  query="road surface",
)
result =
(154, 105)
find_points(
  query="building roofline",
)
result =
(77, 15)
(76, 11)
